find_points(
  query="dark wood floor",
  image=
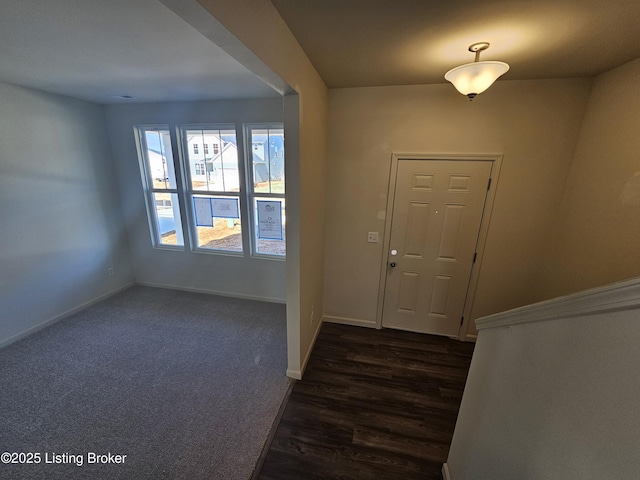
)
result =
(373, 404)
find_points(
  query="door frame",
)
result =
(496, 159)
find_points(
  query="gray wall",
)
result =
(59, 210)
(256, 278)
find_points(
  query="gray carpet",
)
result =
(186, 385)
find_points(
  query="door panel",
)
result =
(436, 217)
(451, 227)
(440, 295)
(408, 295)
(416, 229)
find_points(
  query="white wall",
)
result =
(555, 397)
(596, 238)
(257, 26)
(245, 276)
(59, 210)
(534, 124)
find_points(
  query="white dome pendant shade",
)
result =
(474, 78)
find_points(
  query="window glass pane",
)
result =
(214, 167)
(217, 221)
(168, 220)
(269, 223)
(159, 158)
(267, 160)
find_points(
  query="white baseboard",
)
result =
(297, 374)
(213, 292)
(356, 322)
(30, 331)
(445, 472)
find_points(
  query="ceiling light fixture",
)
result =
(471, 79)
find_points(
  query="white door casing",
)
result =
(434, 219)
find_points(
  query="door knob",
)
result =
(392, 264)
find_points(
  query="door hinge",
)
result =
(489, 184)
(475, 255)
(461, 320)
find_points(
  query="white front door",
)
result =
(437, 210)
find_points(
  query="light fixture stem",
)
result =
(477, 48)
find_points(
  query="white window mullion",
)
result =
(177, 178)
(245, 203)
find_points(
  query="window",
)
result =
(231, 205)
(160, 184)
(213, 192)
(266, 195)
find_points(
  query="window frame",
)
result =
(149, 189)
(184, 193)
(252, 195)
(190, 193)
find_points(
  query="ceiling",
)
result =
(357, 43)
(101, 50)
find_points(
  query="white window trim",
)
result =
(149, 189)
(189, 192)
(251, 195)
